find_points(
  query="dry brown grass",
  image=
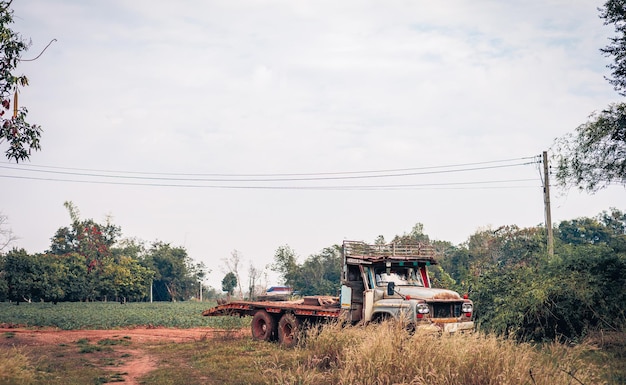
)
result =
(15, 368)
(387, 354)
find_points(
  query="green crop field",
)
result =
(111, 315)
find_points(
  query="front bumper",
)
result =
(447, 326)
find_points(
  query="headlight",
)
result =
(422, 308)
(467, 307)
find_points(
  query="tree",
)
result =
(285, 263)
(416, 235)
(233, 265)
(229, 283)
(6, 235)
(33, 277)
(319, 274)
(123, 279)
(175, 278)
(614, 12)
(86, 237)
(596, 156)
(21, 136)
(254, 274)
(4, 287)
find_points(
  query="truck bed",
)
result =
(318, 306)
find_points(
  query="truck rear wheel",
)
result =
(288, 329)
(263, 326)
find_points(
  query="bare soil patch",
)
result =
(136, 362)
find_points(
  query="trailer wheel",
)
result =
(288, 329)
(263, 326)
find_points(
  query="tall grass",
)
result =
(388, 354)
(15, 368)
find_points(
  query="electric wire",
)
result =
(452, 185)
(275, 174)
(283, 177)
(276, 181)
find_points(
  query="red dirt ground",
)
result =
(140, 362)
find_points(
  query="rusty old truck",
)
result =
(379, 282)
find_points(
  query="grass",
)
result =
(235, 361)
(373, 354)
(56, 365)
(111, 315)
(387, 354)
(16, 367)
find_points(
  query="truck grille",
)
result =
(445, 310)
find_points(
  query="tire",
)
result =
(263, 326)
(288, 329)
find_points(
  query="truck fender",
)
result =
(382, 316)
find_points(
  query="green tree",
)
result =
(595, 156)
(21, 275)
(21, 136)
(75, 280)
(123, 279)
(86, 237)
(286, 264)
(4, 287)
(614, 12)
(416, 235)
(33, 277)
(229, 283)
(175, 276)
(320, 274)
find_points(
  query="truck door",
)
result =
(368, 293)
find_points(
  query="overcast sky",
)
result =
(248, 125)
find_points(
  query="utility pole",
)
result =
(546, 202)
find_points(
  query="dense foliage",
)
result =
(519, 291)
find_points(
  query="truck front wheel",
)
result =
(288, 329)
(263, 326)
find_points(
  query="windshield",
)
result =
(399, 276)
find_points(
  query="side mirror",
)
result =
(391, 288)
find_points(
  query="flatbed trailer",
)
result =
(280, 320)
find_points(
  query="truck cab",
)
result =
(391, 281)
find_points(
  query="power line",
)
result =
(451, 185)
(391, 173)
(22, 165)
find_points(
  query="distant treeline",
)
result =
(86, 262)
